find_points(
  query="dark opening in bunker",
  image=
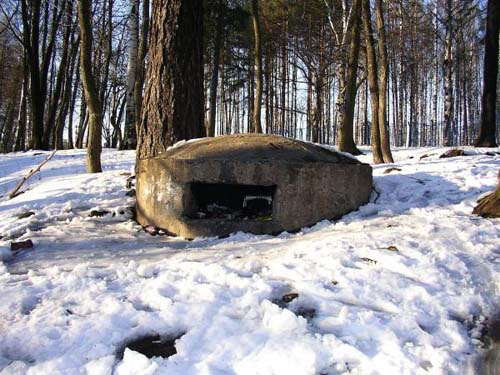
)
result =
(232, 202)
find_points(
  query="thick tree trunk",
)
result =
(130, 136)
(345, 128)
(94, 144)
(383, 80)
(487, 129)
(371, 63)
(173, 105)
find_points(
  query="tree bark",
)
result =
(130, 136)
(82, 121)
(94, 144)
(345, 129)
(448, 77)
(258, 67)
(173, 106)
(318, 107)
(487, 129)
(371, 63)
(143, 50)
(382, 87)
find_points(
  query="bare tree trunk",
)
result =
(434, 120)
(371, 63)
(258, 66)
(487, 129)
(383, 79)
(345, 128)
(173, 106)
(82, 122)
(94, 145)
(318, 107)
(143, 50)
(74, 93)
(130, 136)
(448, 78)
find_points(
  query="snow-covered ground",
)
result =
(401, 286)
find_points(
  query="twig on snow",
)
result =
(14, 192)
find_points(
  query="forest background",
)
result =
(310, 70)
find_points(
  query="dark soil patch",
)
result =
(306, 312)
(303, 311)
(287, 298)
(152, 346)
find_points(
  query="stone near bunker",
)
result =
(252, 183)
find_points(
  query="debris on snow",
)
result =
(15, 246)
(453, 153)
(393, 169)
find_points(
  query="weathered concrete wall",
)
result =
(307, 191)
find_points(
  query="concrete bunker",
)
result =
(252, 183)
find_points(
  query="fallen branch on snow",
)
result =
(14, 192)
